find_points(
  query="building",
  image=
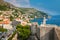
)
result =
(15, 23)
(33, 28)
(23, 23)
(7, 12)
(5, 23)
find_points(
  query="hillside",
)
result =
(28, 12)
(5, 5)
(32, 12)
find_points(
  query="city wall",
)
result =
(48, 33)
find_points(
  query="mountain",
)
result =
(30, 12)
(5, 5)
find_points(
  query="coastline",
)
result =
(52, 21)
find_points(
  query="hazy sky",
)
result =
(52, 7)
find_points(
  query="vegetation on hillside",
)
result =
(31, 12)
(27, 12)
(3, 8)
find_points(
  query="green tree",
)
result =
(11, 18)
(3, 30)
(3, 7)
(23, 31)
(0, 13)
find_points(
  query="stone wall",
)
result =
(48, 33)
(57, 33)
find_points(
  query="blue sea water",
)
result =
(55, 20)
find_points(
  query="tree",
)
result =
(3, 30)
(11, 18)
(0, 13)
(23, 31)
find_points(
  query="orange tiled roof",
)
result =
(5, 21)
(18, 18)
(1, 16)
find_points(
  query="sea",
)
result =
(54, 20)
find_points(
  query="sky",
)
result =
(51, 7)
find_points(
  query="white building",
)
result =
(7, 26)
